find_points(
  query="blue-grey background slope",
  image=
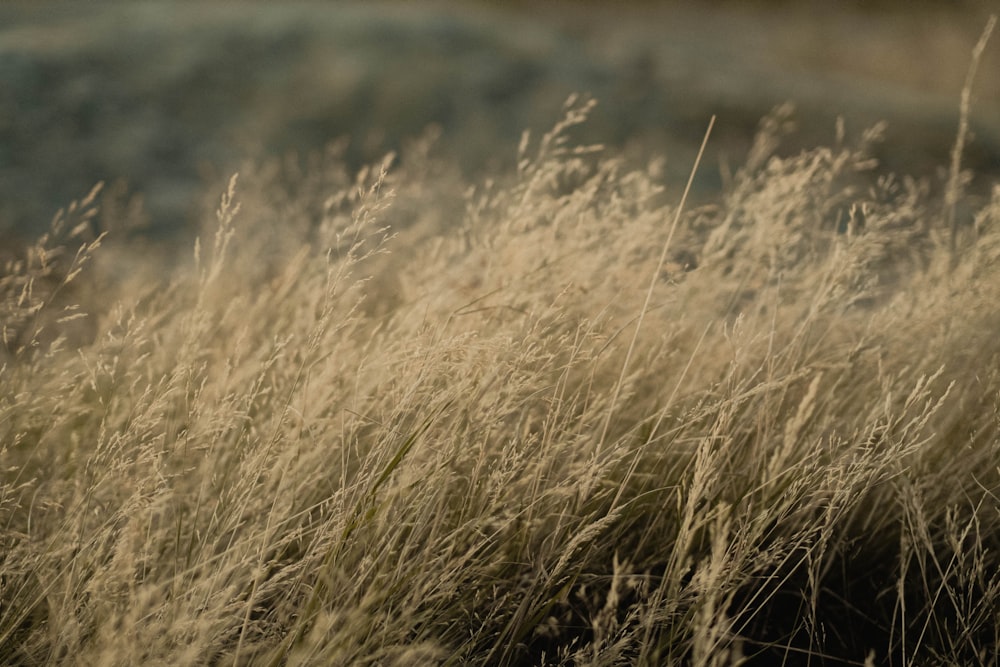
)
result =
(167, 97)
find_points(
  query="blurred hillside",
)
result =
(166, 97)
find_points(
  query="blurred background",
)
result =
(163, 100)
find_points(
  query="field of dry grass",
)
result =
(557, 416)
(583, 426)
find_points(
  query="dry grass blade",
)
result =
(652, 284)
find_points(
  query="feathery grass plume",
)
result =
(954, 188)
(32, 284)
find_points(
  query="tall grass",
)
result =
(369, 423)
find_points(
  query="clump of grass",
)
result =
(366, 427)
